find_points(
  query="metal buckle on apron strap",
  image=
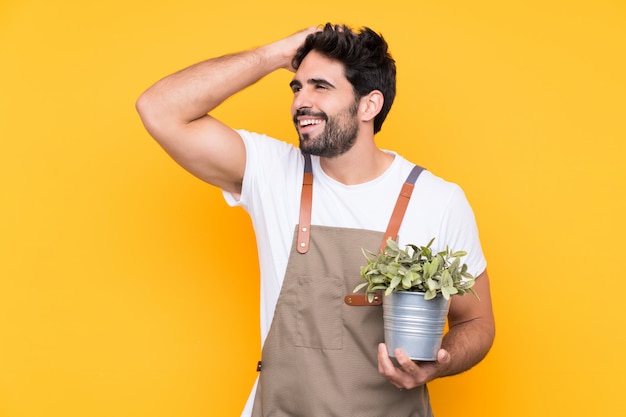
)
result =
(361, 300)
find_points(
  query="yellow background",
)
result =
(121, 275)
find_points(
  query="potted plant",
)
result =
(418, 284)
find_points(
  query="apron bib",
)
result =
(320, 355)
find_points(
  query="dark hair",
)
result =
(365, 56)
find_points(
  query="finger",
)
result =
(384, 363)
(402, 358)
(443, 356)
(405, 362)
(386, 368)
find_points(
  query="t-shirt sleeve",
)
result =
(270, 165)
(461, 232)
(263, 154)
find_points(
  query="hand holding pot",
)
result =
(410, 374)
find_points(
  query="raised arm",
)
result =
(174, 110)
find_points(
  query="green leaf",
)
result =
(455, 264)
(445, 293)
(392, 245)
(394, 282)
(450, 290)
(360, 287)
(407, 281)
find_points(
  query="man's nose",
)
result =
(302, 100)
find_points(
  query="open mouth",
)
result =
(307, 123)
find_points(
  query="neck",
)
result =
(362, 163)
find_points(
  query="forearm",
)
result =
(467, 344)
(190, 94)
(194, 91)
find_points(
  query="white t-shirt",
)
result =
(271, 195)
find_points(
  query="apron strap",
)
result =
(392, 232)
(306, 201)
(401, 204)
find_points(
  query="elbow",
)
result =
(488, 341)
(144, 107)
(149, 113)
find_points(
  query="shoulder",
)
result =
(439, 200)
(442, 199)
(429, 185)
(434, 184)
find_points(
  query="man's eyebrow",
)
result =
(312, 81)
(320, 81)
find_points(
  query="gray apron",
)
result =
(320, 355)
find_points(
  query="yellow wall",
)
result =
(119, 272)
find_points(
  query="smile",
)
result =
(309, 122)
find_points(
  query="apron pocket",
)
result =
(319, 321)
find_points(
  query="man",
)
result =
(321, 356)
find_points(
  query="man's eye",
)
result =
(295, 88)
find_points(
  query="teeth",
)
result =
(308, 122)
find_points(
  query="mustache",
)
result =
(310, 113)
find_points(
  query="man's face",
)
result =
(324, 107)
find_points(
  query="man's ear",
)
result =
(371, 104)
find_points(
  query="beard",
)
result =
(339, 134)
